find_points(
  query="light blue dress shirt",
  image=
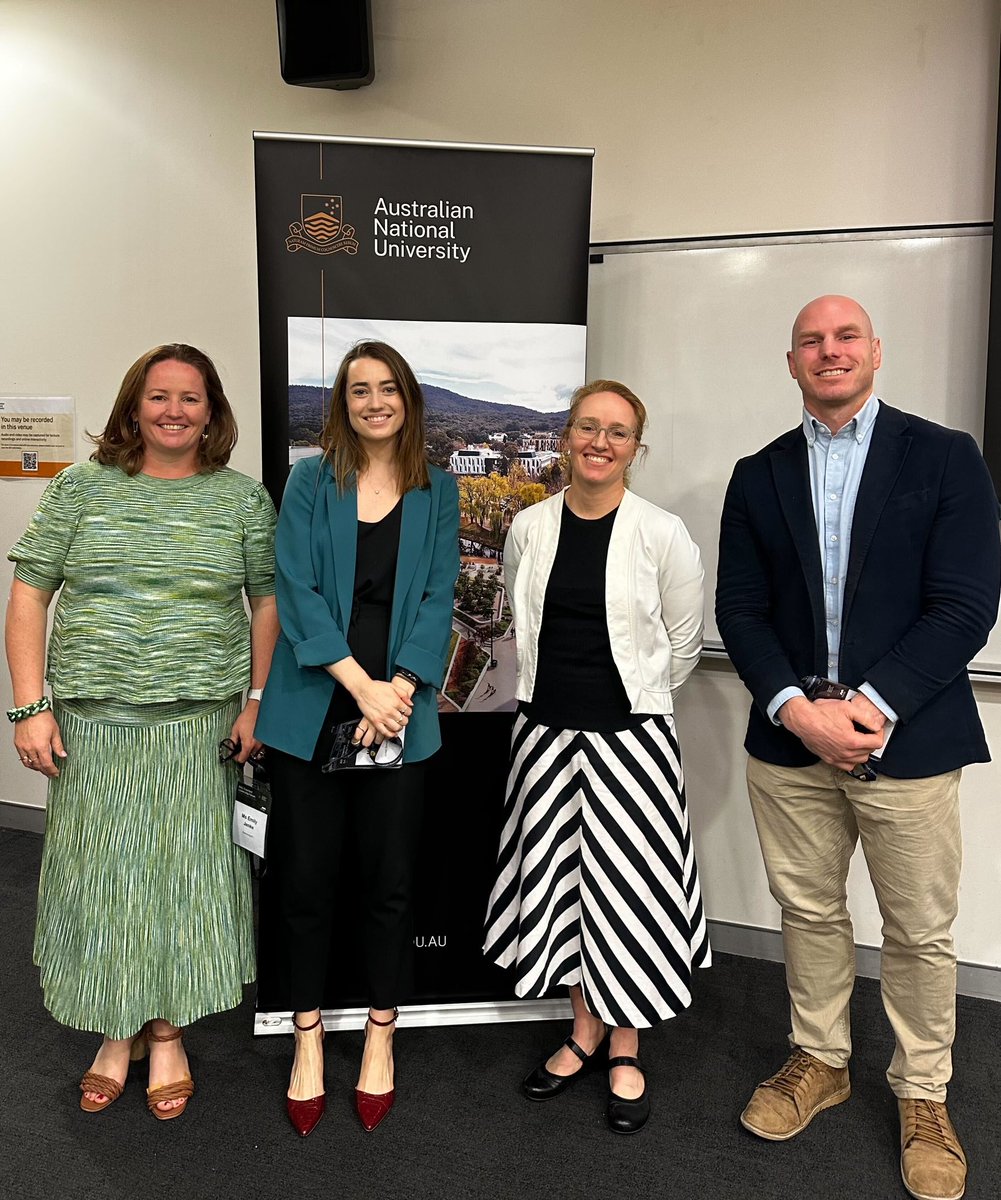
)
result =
(836, 465)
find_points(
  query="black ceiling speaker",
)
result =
(326, 43)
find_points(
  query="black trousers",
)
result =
(373, 815)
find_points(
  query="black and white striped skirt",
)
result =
(597, 883)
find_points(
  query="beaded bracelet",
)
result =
(29, 710)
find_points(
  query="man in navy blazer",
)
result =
(861, 546)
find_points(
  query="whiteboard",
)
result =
(699, 331)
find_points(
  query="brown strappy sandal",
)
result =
(182, 1089)
(104, 1085)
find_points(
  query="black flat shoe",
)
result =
(627, 1116)
(541, 1084)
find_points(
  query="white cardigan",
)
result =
(653, 596)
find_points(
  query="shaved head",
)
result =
(833, 358)
(848, 309)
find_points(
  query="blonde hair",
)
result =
(618, 389)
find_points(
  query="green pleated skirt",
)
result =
(144, 903)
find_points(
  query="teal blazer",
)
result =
(315, 547)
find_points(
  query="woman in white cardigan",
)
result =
(597, 883)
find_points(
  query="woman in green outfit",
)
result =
(144, 911)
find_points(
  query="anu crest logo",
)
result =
(321, 229)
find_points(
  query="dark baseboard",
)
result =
(28, 817)
(751, 941)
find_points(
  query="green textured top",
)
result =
(152, 573)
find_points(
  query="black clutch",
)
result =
(348, 755)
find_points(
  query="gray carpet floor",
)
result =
(460, 1127)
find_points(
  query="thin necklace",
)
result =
(378, 490)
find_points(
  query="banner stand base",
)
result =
(480, 1012)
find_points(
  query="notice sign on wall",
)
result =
(37, 436)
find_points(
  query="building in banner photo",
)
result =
(496, 401)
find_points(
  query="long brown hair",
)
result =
(618, 389)
(120, 443)
(341, 445)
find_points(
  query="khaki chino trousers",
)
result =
(809, 820)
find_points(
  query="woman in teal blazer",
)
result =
(366, 561)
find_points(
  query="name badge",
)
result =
(251, 805)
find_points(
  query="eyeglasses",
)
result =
(228, 750)
(587, 427)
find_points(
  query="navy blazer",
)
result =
(315, 546)
(921, 591)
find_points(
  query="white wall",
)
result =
(127, 210)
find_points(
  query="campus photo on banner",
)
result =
(472, 262)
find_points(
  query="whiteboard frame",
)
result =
(599, 250)
(793, 238)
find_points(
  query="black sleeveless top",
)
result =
(577, 684)
(368, 632)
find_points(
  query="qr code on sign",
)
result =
(29, 460)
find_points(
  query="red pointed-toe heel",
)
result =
(371, 1108)
(305, 1114)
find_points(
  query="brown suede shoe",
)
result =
(932, 1162)
(784, 1105)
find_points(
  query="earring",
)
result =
(205, 434)
(135, 426)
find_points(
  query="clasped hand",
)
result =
(827, 728)
(385, 709)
